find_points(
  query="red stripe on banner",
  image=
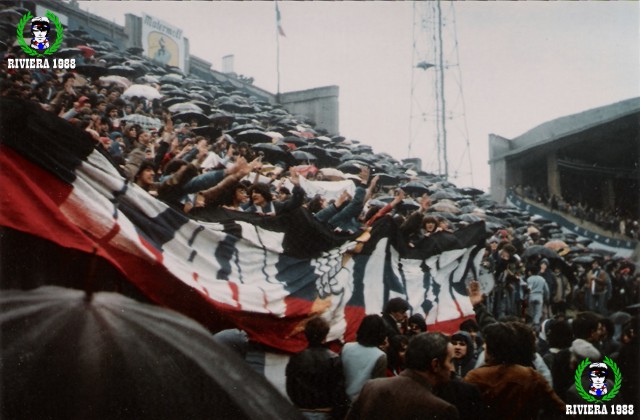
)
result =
(30, 200)
(156, 253)
(235, 294)
(450, 326)
(354, 316)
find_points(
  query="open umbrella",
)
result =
(540, 251)
(415, 187)
(142, 91)
(303, 156)
(253, 136)
(91, 70)
(124, 71)
(114, 79)
(185, 107)
(188, 116)
(274, 153)
(143, 120)
(556, 245)
(67, 354)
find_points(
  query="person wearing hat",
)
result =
(463, 355)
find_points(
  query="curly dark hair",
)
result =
(263, 189)
(316, 331)
(500, 338)
(372, 331)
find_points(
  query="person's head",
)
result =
(260, 194)
(397, 308)
(144, 137)
(316, 204)
(559, 335)
(430, 223)
(416, 324)
(499, 340)
(372, 331)
(397, 351)
(525, 343)
(508, 251)
(461, 342)
(470, 326)
(544, 265)
(588, 326)
(432, 353)
(283, 193)
(145, 175)
(316, 331)
(237, 195)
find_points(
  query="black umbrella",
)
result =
(69, 52)
(297, 141)
(253, 136)
(301, 155)
(92, 70)
(189, 116)
(274, 153)
(221, 117)
(173, 79)
(205, 106)
(415, 187)
(540, 251)
(105, 356)
(125, 71)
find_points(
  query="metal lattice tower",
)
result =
(438, 132)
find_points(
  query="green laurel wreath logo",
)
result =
(30, 51)
(616, 385)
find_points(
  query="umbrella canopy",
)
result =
(253, 136)
(124, 71)
(105, 356)
(185, 107)
(445, 207)
(86, 50)
(540, 251)
(556, 245)
(143, 120)
(415, 187)
(274, 153)
(113, 79)
(142, 91)
(303, 156)
(92, 70)
(188, 116)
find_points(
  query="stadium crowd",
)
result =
(545, 313)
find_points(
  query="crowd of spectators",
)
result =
(615, 220)
(545, 309)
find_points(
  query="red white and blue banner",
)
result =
(264, 275)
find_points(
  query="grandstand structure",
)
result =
(590, 157)
(318, 105)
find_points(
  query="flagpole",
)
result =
(278, 50)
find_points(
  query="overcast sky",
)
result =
(519, 64)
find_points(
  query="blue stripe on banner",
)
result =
(226, 252)
(298, 276)
(359, 268)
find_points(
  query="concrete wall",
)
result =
(320, 105)
(498, 146)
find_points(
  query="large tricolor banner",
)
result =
(264, 275)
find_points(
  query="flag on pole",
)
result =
(279, 21)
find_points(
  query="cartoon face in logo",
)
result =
(39, 31)
(598, 373)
